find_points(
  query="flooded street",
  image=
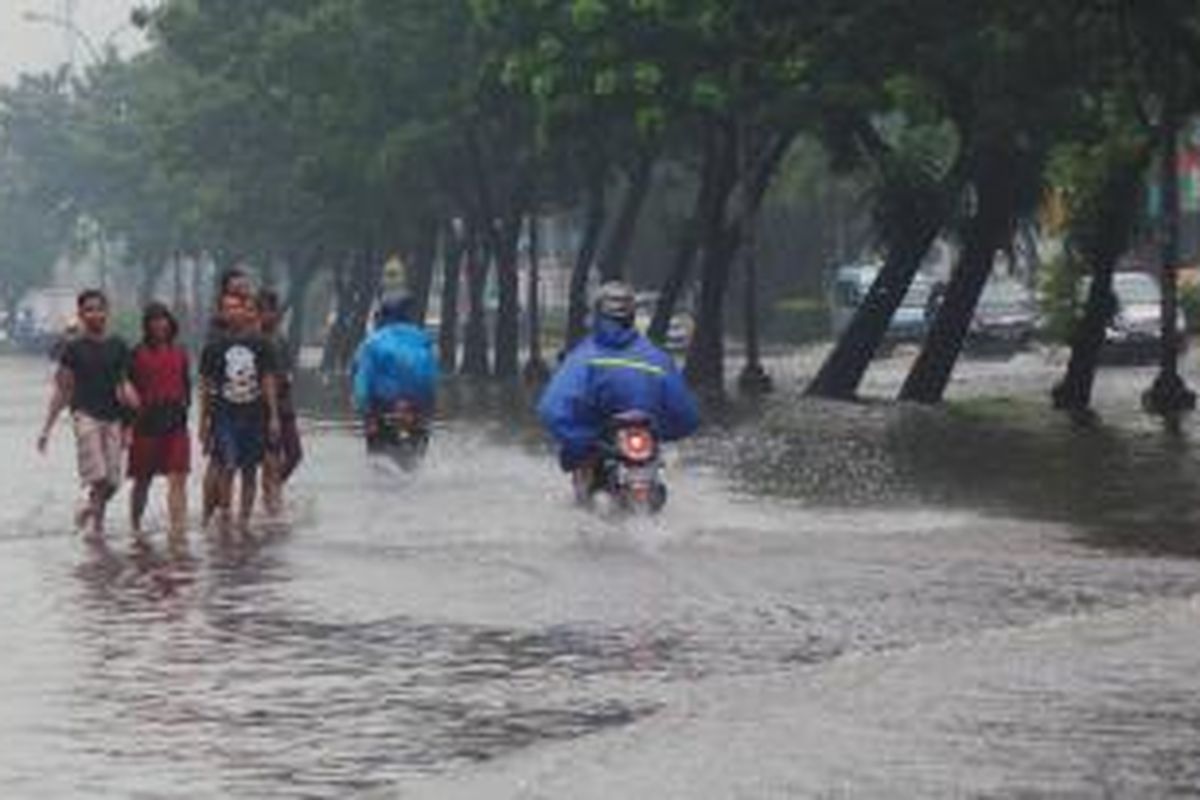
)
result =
(839, 601)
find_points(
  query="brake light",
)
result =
(636, 444)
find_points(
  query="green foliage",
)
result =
(344, 125)
(1189, 302)
(1059, 298)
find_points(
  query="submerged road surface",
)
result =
(873, 624)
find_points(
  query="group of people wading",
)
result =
(130, 408)
(136, 403)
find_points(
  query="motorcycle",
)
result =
(628, 467)
(399, 432)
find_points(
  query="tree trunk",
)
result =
(706, 352)
(150, 272)
(753, 379)
(300, 276)
(536, 371)
(355, 296)
(422, 260)
(588, 245)
(508, 313)
(705, 367)
(451, 278)
(616, 249)
(672, 288)
(1168, 394)
(1074, 392)
(987, 232)
(689, 244)
(475, 346)
(843, 369)
(1104, 239)
(756, 176)
(341, 301)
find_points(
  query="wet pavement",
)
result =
(839, 601)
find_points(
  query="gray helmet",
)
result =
(615, 300)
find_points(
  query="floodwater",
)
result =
(839, 601)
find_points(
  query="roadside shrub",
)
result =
(1058, 298)
(1189, 301)
(796, 320)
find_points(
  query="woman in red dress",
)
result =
(161, 446)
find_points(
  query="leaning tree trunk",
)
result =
(1103, 239)
(843, 370)
(1074, 392)
(475, 345)
(616, 249)
(987, 232)
(916, 209)
(452, 260)
(590, 242)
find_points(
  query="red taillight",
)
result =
(636, 444)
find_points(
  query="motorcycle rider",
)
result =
(612, 371)
(396, 363)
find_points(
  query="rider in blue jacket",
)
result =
(612, 371)
(396, 362)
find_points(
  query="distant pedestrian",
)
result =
(285, 454)
(93, 381)
(239, 414)
(160, 373)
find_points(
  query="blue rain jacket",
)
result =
(395, 362)
(612, 371)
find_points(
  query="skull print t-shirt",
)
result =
(234, 367)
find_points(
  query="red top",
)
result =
(160, 375)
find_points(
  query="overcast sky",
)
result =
(34, 46)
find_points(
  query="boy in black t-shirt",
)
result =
(93, 381)
(238, 408)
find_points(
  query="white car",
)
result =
(850, 286)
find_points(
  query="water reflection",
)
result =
(211, 665)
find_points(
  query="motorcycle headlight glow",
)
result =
(636, 444)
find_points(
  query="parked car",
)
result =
(679, 329)
(1005, 318)
(1136, 328)
(850, 286)
(42, 317)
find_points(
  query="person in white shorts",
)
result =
(93, 381)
